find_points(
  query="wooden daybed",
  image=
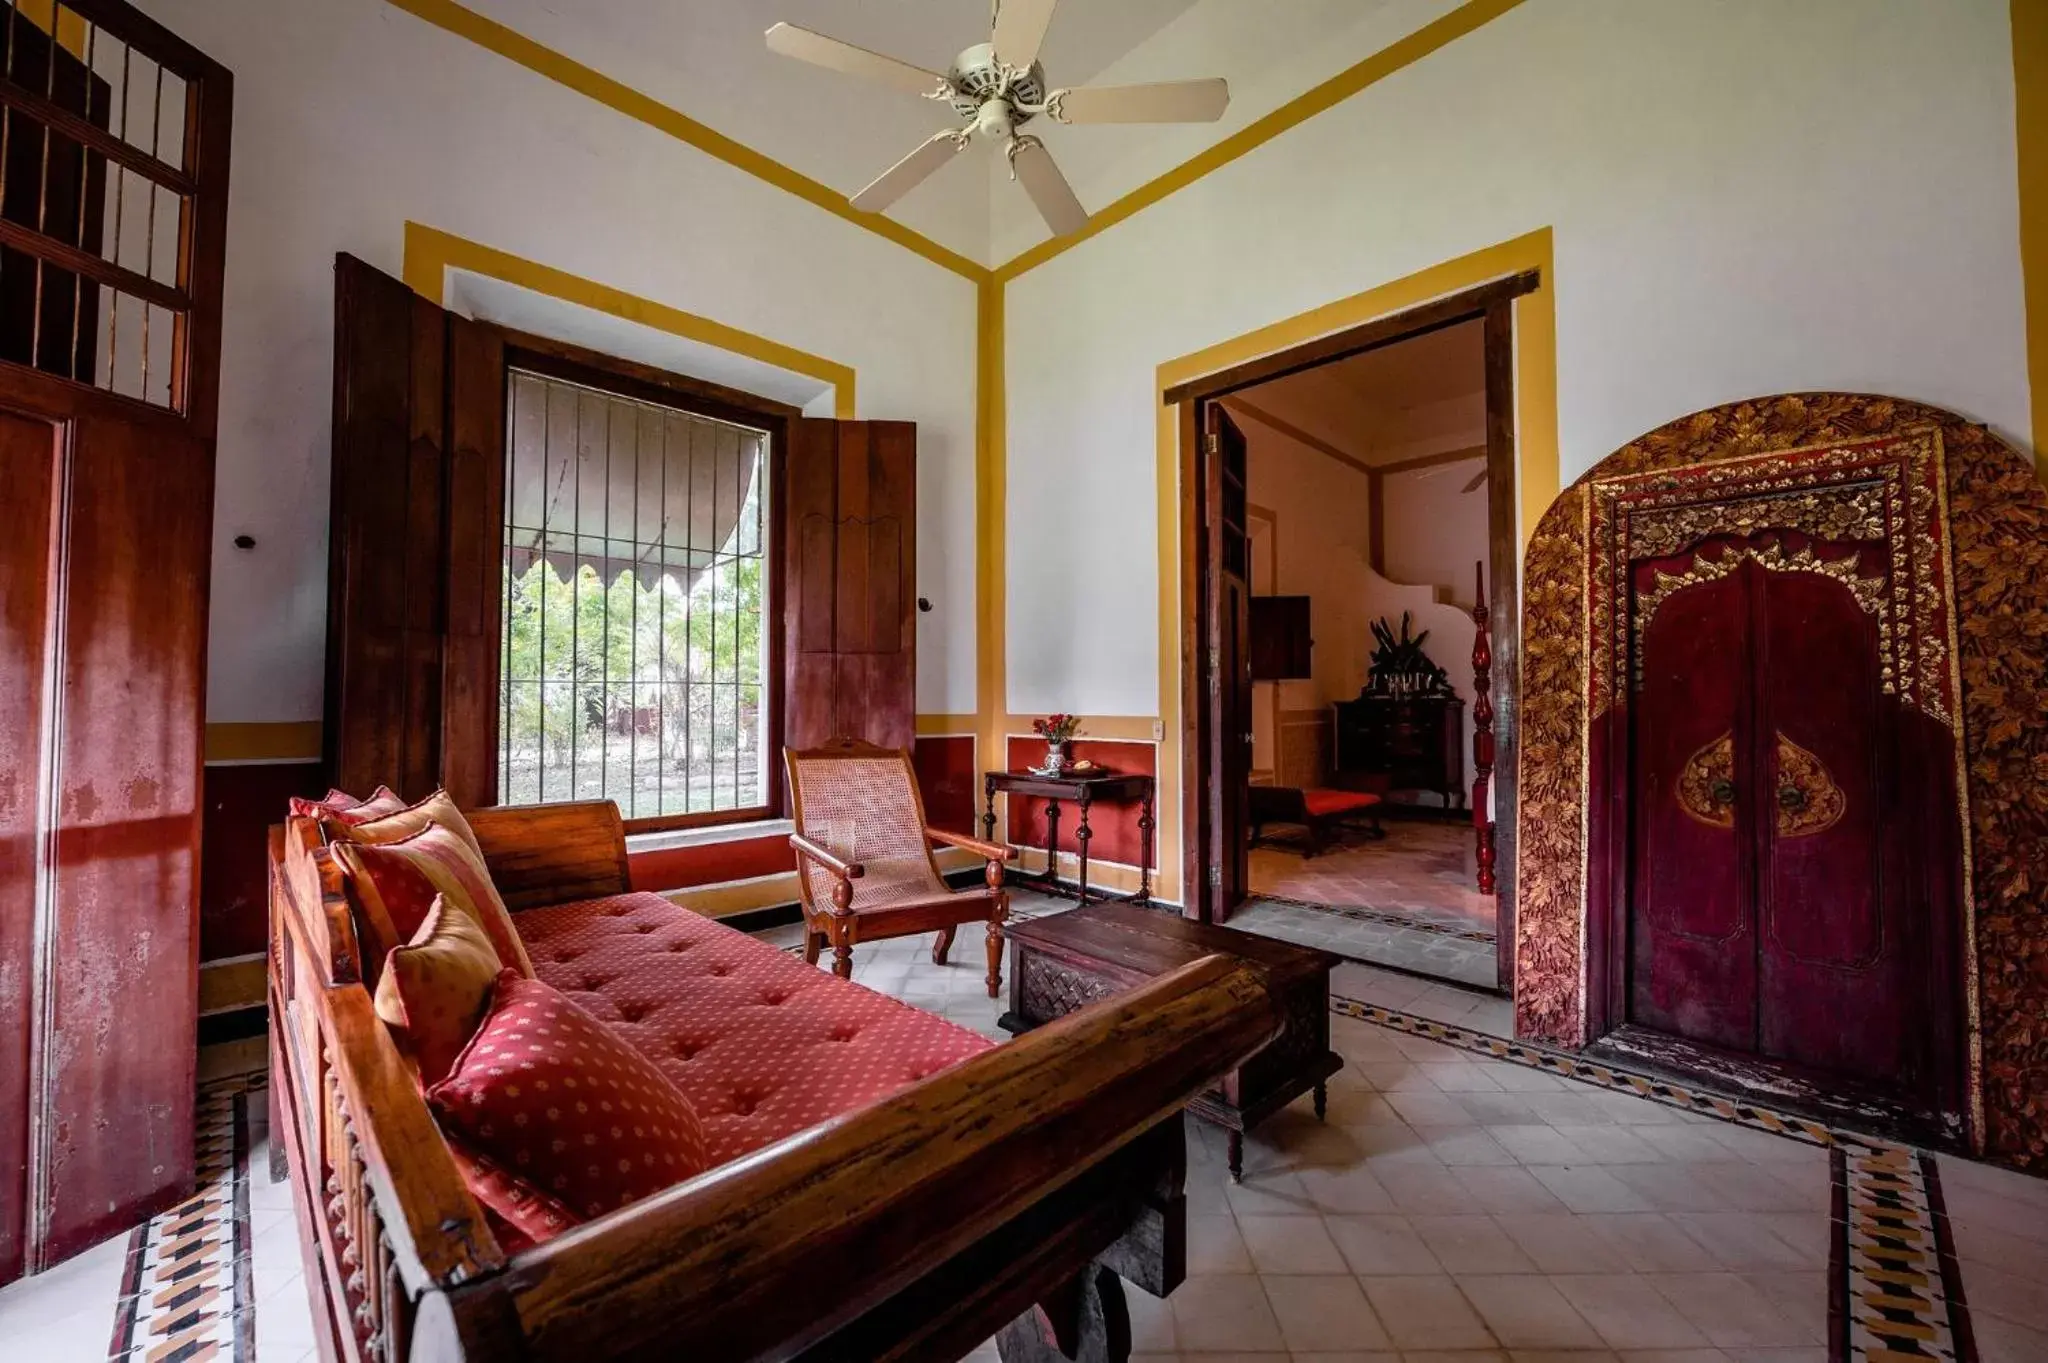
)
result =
(1007, 1194)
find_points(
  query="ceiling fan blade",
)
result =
(1033, 164)
(1174, 101)
(907, 174)
(1020, 30)
(819, 50)
(1477, 479)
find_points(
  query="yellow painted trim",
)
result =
(1536, 451)
(430, 253)
(292, 741)
(948, 726)
(228, 985)
(736, 896)
(2030, 109)
(622, 98)
(1340, 87)
(991, 495)
(71, 28)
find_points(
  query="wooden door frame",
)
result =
(1492, 304)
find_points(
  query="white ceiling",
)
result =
(1408, 400)
(707, 58)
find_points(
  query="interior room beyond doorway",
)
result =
(1368, 538)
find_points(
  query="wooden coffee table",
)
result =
(1066, 961)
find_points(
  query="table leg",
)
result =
(1144, 895)
(1322, 1100)
(1052, 844)
(988, 818)
(1081, 836)
(1237, 1157)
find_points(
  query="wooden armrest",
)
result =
(770, 1254)
(845, 870)
(992, 850)
(435, 1228)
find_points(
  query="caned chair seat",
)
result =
(864, 858)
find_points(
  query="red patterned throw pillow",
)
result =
(341, 808)
(551, 1108)
(394, 883)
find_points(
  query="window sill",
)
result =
(669, 839)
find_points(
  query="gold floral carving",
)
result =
(1973, 518)
(1706, 784)
(1807, 799)
(1856, 513)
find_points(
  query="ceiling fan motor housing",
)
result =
(977, 82)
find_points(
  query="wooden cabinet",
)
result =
(1402, 743)
(1281, 647)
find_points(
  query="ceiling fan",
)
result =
(998, 86)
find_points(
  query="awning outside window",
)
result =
(617, 484)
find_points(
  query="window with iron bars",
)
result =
(634, 666)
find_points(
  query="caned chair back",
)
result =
(861, 803)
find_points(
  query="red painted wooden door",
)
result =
(109, 384)
(1774, 907)
(850, 581)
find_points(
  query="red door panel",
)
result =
(28, 466)
(1834, 948)
(124, 996)
(1693, 951)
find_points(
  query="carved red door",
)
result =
(1777, 900)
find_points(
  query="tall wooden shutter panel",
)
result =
(850, 568)
(416, 544)
(106, 518)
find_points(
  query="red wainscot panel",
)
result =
(947, 775)
(1114, 826)
(709, 863)
(240, 802)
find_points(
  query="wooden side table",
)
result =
(1065, 961)
(1083, 790)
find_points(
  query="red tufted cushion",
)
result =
(555, 1099)
(761, 1044)
(1321, 804)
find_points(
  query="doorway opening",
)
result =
(1352, 621)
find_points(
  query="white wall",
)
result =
(352, 117)
(1321, 531)
(1434, 530)
(1747, 197)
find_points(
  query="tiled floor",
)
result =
(1426, 868)
(1453, 1209)
(1407, 901)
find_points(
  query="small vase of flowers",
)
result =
(1057, 731)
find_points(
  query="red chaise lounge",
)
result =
(883, 1183)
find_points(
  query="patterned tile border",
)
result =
(1895, 1289)
(185, 1292)
(1390, 918)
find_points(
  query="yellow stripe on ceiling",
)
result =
(430, 253)
(1340, 87)
(544, 61)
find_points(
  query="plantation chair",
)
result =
(864, 858)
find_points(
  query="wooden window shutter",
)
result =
(416, 544)
(850, 583)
